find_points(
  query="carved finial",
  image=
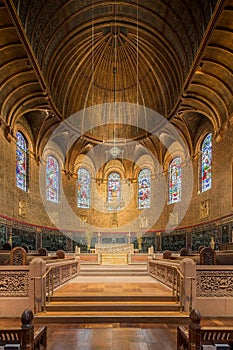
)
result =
(195, 316)
(27, 318)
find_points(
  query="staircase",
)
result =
(110, 309)
(114, 259)
(114, 270)
(113, 307)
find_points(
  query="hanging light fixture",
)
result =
(114, 151)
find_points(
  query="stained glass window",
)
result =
(206, 163)
(114, 191)
(144, 189)
(21, 162)
(83, 188)
(175, 180)
(52, 179)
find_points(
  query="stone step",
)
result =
(119, 306)
(115, 273)
(113, 298)
(113, 270)
(114, 259)
(106, 317)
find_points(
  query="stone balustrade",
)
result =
(204, 286)
(22, 287)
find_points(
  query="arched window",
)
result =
(83, 188)
(21, 162)
(144, 189)
(175, 180)
(114, 191)
(206, 163)
(52, 179)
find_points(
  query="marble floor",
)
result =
(108, 285)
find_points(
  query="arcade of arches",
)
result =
(141, 61)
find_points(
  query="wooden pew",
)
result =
(25, 335)
(193, 337)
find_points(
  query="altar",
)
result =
(114, 248)
(114, 253)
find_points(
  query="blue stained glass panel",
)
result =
(206, 163)
(175, 180)
(114, 191)
(144, 189)
(83, 188)
(52, 179)
(21, 162)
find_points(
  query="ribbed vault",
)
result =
(152, 44)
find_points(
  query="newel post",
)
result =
(37, 285)
(27, 330)
(195, 330)
(188, 269)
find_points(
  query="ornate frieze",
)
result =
(14, 283)
(114, 248)
(215, 283)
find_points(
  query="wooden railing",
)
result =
(193, 337)
(25, 336)
(169, 275)
(55, 275)
(178, 278)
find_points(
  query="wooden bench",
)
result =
(195, 336)
(24, 336)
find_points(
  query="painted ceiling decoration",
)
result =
(58, 58)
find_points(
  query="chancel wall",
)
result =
(207, 213)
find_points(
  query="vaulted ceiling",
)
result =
(60, 57)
